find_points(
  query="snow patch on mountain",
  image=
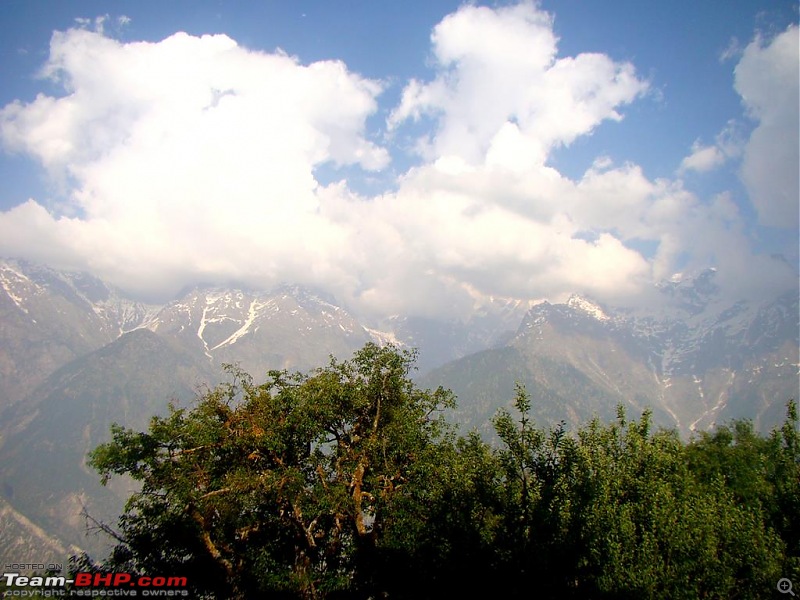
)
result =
(384, 338)
(587, 306)
(11, 280)
(252, 313)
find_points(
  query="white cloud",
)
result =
(732, 50)
(190, 156)
(703, 158)
(501, 89)
(193, 159)
(768, 80)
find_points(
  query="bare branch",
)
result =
(93, 524)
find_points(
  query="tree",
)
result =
(761, 473)
(293, 487)
(652, 529)
(617, 511)
(532, 542)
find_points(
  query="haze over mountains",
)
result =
(77, 355)
(702, 362)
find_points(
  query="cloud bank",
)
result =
(193, 159)
(768, 80)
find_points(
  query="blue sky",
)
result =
(408, 157)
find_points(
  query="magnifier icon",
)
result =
(785, 586)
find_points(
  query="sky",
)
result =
(423, 157)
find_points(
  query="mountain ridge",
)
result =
(72, 347)
(693, 368)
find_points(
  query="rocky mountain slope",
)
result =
(695, 363)
(48, 319)
(47, 437)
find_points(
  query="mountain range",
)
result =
(77, 354)
(693, 366)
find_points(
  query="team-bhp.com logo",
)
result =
(94, 585)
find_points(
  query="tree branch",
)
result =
(224, 490)
(212, 549)
(100, 526)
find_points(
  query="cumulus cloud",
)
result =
(191, 156)
(502, 90)
(703, 159)
(767, 80)
(194, 159)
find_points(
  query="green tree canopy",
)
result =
(290, 486)
(346, 482)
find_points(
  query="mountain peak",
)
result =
(588, 307)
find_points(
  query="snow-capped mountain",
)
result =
(695, 360)
(287, 328)
(49, 318)
(26, 283)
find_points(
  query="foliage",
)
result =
(620, 511)
(762, 474)
(347, 483)
(286, 487)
